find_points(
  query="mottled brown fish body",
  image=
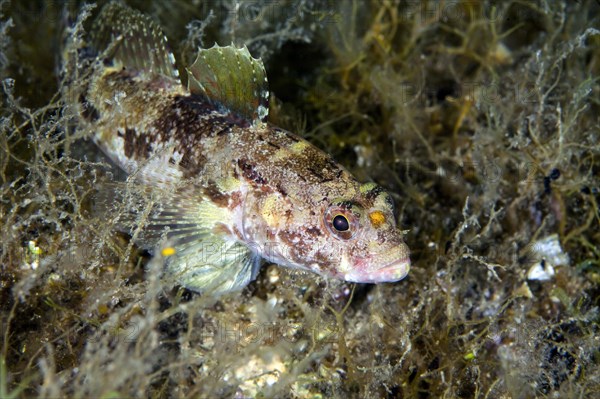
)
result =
(240, 182)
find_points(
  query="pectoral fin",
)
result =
(202, 257)
(212, 264)
(189, 231)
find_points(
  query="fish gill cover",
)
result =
(481, 119)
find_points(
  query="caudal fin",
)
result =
(133, 40)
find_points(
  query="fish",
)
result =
(231, 190)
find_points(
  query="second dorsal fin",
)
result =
(137, 41)
(230, 77)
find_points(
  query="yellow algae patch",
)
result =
(281, 153)
(271, 210)
(295, 148)
(365, 188)
(298, 147)
(228, 184)
(115, 68)
(377, 218)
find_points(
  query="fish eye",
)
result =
(341, 223)
(342, 219)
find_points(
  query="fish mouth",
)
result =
(388, 273)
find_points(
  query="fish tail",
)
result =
(133, 40)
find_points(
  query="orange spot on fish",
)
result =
(377, 218)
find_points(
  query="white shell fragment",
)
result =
(549, 248)
(541, 271)
(550, 255)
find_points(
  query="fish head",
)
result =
(364, 244)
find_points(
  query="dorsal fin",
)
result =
(138, 42)
(230, 77)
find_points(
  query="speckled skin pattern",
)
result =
(281, 192)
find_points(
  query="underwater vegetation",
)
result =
(480, 118)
